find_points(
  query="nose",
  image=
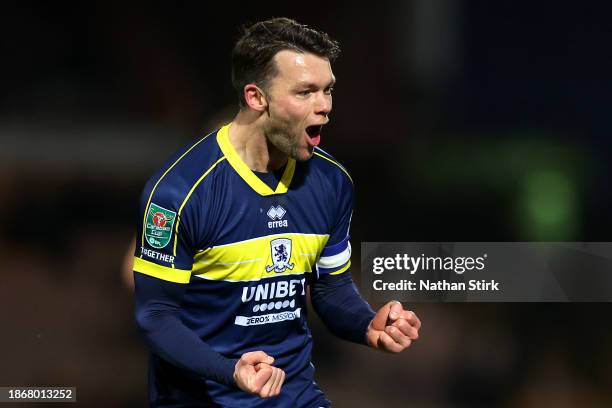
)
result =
(324, 104)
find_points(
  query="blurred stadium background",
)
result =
(459, 121)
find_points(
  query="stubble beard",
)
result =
(286, 140)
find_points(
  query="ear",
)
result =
(255, 98)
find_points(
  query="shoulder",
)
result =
(330, 167)
(172, 182)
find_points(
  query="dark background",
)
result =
(458, 120)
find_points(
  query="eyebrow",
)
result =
(313, 85)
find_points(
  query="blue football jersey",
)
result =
(247, 252)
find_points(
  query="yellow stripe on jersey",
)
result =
(343, 269)
(161, 272)
(146, 210)
(252, 260)
(245, 172)
(180, 210)
(336, 163)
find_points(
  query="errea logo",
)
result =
(276, 214)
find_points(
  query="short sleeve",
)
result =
(164, 245)
(336, 256)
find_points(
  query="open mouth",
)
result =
(314, 135)
(314, 130)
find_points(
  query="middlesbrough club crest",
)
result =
(281, 255)
(158, 229)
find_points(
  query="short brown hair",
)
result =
(253, 54)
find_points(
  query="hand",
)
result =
(255, 374)
(393, 329)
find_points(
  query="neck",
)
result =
(250, 142)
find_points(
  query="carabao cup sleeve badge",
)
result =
(158, 226)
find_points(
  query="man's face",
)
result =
(299, 101)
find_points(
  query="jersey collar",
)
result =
(246, 174)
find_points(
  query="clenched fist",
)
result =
(255, 374)
(393, 329)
